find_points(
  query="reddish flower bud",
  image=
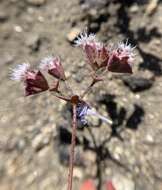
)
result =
(97, 54)
(53, 66)
(121, 59)
(34, 81)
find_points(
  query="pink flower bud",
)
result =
(121, 59)
(34, 81)
(96, 53)
(53, 66)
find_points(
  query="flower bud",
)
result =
(121, 59)
(97, 54)
(53, 66)
(34, 81)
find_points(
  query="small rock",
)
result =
(123, 183)
(33, 41)
(18, 28)
(36, 2)
(134, 8)
(151, 7)
(118, 151)
(3, 16)
(40, 141)
(94, 27)
(71, 36)
(79, 77)
(81, 64)
(137, 84)
(89, 156)
(21, 144)
(93, 14)
(149, 138)
(98, 4)
(78, 173)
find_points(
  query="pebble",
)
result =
(94, 26)
(40, 141)
(33, 41)
(36, 2)
(89, 156)
(134, 8)
(3, 16)
(78, 173)
(21, 144)
(94, 14)
(123, 183)
(79, 77)
(149, 138)
(72, 35)
(118, 151)
(18, 28)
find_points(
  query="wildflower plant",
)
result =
(101, 59)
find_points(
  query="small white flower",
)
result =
(47, 63)
(126, 48)
(19, 73)
(84, 39)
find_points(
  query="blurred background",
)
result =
(35, 132)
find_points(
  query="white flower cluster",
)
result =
(19, 73)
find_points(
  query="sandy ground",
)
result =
(34, 141)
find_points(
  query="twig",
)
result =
(73, 142)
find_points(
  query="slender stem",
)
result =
(63, 98)
(73, 142)
(88, 89)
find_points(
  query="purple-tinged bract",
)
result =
(97, 53)
(34, 81)
(121, 59)
(53, 66)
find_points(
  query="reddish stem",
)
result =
(63, 98)
(73, 142)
